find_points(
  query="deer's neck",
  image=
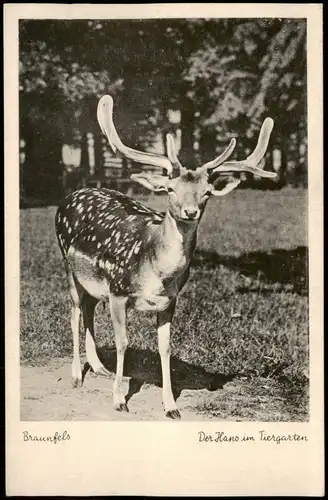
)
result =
(175, 244)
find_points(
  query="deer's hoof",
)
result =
(76, 382)
(121, 407)
(174, 414)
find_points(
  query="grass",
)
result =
(244, 310)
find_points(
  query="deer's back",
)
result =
(102, 234)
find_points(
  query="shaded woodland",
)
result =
(205, 80)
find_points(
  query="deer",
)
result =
(121, 252)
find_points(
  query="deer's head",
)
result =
(188, 190)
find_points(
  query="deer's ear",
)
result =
(229, 187)
(153, 182)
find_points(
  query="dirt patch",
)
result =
(47, 394)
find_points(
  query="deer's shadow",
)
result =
(285, 267)
(144, 367)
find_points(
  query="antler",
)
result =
(220, 159)
(171, 153)
(105, 120)
(250, 164)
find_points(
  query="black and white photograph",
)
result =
(163, 224)
(211, 115)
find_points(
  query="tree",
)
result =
(282, 89)
(258, 70)
(55, 94)
(223, 76)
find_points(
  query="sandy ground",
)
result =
(47, 394)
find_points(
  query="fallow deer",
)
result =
(118, 251)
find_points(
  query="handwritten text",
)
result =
(55, 438)
(261, 436)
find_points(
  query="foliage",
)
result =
(261, 71)
(223, 75)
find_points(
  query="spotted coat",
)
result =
(108, 228)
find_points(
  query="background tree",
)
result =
(261, 71)
(223, 76)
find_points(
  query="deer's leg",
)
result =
(76, 293)
(164, 319)
(118, 314)
(88, 310)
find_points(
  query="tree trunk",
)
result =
(208, 145)
(41, 173)
(187, 127)
(28, 171)
(301, 170)
(284, 161)
(51, 170)
(99, 163)
(84, 164)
